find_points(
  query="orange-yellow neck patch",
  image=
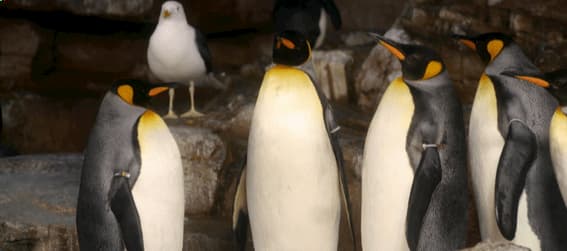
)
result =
(433, 69)
(149, 126)
(126, 92)
(494, 48)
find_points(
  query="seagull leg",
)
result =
(192, 112)
(170, 114)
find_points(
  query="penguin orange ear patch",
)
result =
(433, 69)
(126, 92)
(288, 43)
(397, 53)
(157, 90)
(535, 81)
(494, 47)
(468, 43)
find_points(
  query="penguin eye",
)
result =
(433, 69)
(126, 92)
(494, 47)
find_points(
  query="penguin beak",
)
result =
(160, 88)
(536, 80)
(157, 90)
(467, 41)
(392, 46)
(166, 13)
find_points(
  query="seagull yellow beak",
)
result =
(166, 13)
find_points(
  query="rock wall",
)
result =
(75, 49)
(537, 26)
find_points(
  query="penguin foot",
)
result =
(171, 115)
(192, 114)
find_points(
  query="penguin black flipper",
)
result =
(332, 130)
(427, 177)
(124, 208)
(240, 220)
(333, 12)
(519, 152)
(201, 41)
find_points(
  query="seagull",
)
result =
(178, 52)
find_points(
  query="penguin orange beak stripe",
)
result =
(534, 80)
(393, 50)
(157, 90)
(166, 13)
(468, 43)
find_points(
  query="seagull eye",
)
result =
(177, 8)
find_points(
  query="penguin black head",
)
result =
(487, 45)
(555, 82)
(291, 48)
(418, 62)
(558, 84)
(138, 92)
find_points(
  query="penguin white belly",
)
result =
(524, 233)
(322, 28)
(485, 146)
(173, 54)
(387, 175)
(558, 147)
(158, 191)
(292, 177)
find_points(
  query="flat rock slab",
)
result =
(38, 195)
(37, 202)
(40, 190)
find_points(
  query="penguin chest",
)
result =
(158, 191)
(173, 54)
(292, 181)
(558, 147)
(387, 175)
(485, 146)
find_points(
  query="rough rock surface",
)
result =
(377, 71)
(25, 118)
(203, 154)
(38, 198)
(331, 69)
(88, 7)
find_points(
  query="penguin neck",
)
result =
(434, 96)
(114, 107)
(511, 57)
(282, 67)
(433, 85)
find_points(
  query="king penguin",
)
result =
(131, 192)
(517, 196)
(178, 52)
(306, 16)
(294, 178)
(554, 82)
(414, 177)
